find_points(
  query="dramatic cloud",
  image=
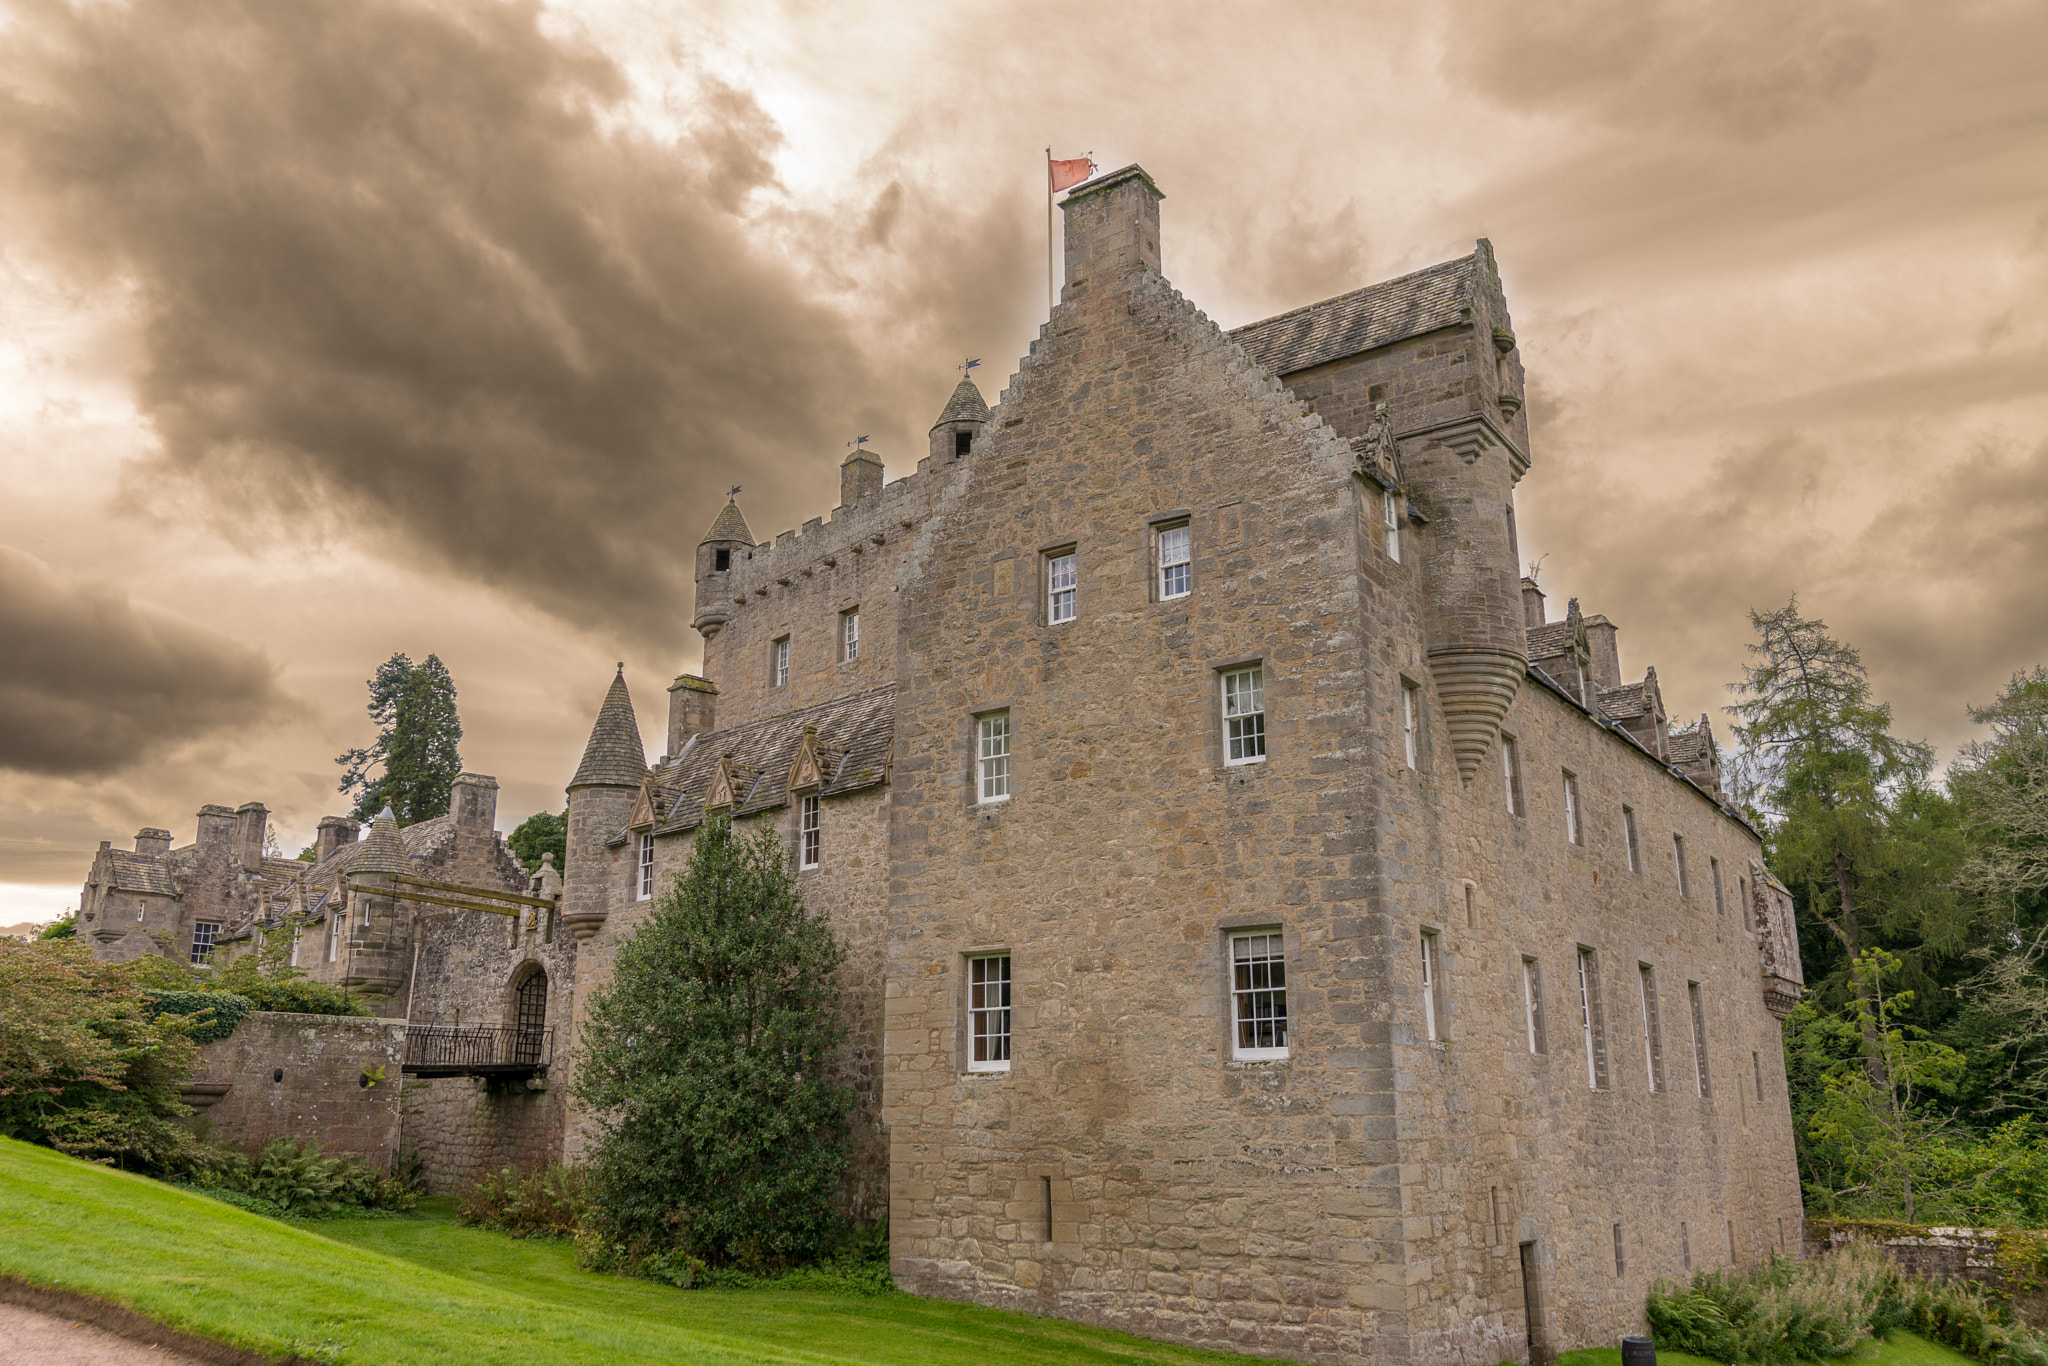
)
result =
(91, 684)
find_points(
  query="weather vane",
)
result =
(732, 493)
(965, 366)
(858, 442)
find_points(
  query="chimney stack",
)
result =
(151, 840)
(1112, 225)
(216, 826)
(250, 820)
(1606, 650)
(692, 710)
(336, 832)
(1532, 604)
(473, 798)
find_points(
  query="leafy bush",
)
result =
(213, 1014)
(547, 1203)
(84, 1066)
(289, 1178)
(67, 928)
(294, 1177)
(301, 997)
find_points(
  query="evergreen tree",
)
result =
(541, 833)
(418, 745)
(720, 1134)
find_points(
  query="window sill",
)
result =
(992, 801)
(988, 1069)
(1244, 763)
(1259, 1055)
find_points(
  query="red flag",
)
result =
(1067, 174)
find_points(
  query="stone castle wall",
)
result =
(300, 1077)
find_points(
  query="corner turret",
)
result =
(961, 425)
(601, 797)
(717, 557)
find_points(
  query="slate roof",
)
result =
(615, 756)
(381, 852)
(1688, 746)
(855, 734)
(134, 872)
(1361, 320)
(417, 841)
(1551, 638)
(730, 526)
(1630, 699)
(966, 405)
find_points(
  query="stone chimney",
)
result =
(1112, 225)
(216, 827)
(1532, 604)
(692, 710)
(150, 840)
(860, 477)
(1606, 651)
(250, 820)
(473, 800)
(336, 832)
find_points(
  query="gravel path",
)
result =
(29, 1337)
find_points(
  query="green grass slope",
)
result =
(426, 1291)
(1900, 1349)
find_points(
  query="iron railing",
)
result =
(473, 1050)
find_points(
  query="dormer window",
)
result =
(1390, 513)
(963, 442)
(721, 560)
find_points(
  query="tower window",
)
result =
(646, 867)
(1244, 717)
(1699, 1040)
(1678, 855)
(1175, 563)
(778, 663)
(1432, 987)
(809, 833)
(1408, 722)
(1532, 1003)
(1571, 808)
(963, 442)
(722, 560)
(1511, 774)
(992, 761)
(1653, 1029)
(988, 1013)
(1628, 834)
(1258, 992)
(1390, 513)
(1059, 588)
(849, 635)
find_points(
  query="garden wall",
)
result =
(302, 1077)
(2008, 1263)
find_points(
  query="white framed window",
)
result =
(778, 667)
(1589, 1016)
(1059, 588)
(205, 934)
(644, 869)
(1628, 836)
(807, 832)
(1532, 1003)
(1678, 856)
(992, 757)
(849, 635)
(988, 1013)
(1408, 722)
(1653, 1031)
(1432, 986)
(1701, 1079)
(1244, 716)
(1571, 808)
(1390, 514)
(295, 946)
(1258, 995)
(1511, 774)
(1176, 563)
(333, 933)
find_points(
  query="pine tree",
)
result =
(418, 745)
(720, 1132)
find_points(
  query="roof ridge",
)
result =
(1354, 293)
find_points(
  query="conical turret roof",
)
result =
(381, 851)
(965, 406)
(615, 757)
(730, 526)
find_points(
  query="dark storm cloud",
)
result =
(91, 684)
(405, 276)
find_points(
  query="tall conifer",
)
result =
(418, 745)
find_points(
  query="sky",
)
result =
(329, 332)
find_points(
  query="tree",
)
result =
(720, 1133)
(418, 745)
(2003, 783)
(1851, 821)
(541, 833)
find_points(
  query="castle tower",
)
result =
(379, 939)
(962, 424)
(601, 794)
(718, 557)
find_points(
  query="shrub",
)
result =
(546, 1203)
(298, 1179)
(212, 1014)
(301, 997)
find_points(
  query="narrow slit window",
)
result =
(1756, 1060)
(1571, 808)
(1176, 563)
(1532, 1004)
(1471, 908)
(1390, 515)
(1685, 1242)
(849, 635)
(1701, 1077)
(1628, 835)
(1678, 855)
(1244, 716)
(988, 1013)
(963, 442)
(1059, 588)
(1408, 718)
(1432, 987)
(992, 762)
(1720, 897)
(779, 663)
(1589, 1019)
(1653, 1030)
(1620, 1258)
(1511, 773)
(205, 934)
(645, 872)
(809, 832)
(1258, 993)
(333, 933)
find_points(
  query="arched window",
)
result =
(529, 1016)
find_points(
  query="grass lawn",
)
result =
(422, 1289)
(1900, 1349)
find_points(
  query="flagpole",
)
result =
(1048, 231)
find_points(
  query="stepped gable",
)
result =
(859, 729)
(142, 873)
(730, 526)
(1361, 320)
(966, 405)
(615, 756)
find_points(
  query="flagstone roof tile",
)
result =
(1361, 320)
(855, 734)
(615, 756)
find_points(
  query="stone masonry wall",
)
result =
(300, 1077)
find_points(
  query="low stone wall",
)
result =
(2012, 1265)
(301, 1076)
(463, 1127)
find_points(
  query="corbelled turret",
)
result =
(718, 557)
(600, 797)
(961, 426)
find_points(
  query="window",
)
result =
(205, 934)
(1244, 716)
(963, 442)
(1720, 897)
(1176, 568)
(988, 1013)
(646, 867)
(1685, 1243)
(1699, 1039)
(1390, 513)
(1471, 908)
(721, 560)
(1628, 834)
(849, 635)
(1433, 1014)
(295, 946)
(807, 832)
(1059, 588)
(992, 762)
(778, 663)
(1511, 772)
(1589, 1019)
(333, 933)
(1532, 1003)
(1756, 1060)
(1571, 808)
(1653, 1031)
(1742, 893)
(1258, 993)
(1408, 721)
(1678, 853)
(1620, 1260)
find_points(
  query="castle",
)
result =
(1268, 929)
